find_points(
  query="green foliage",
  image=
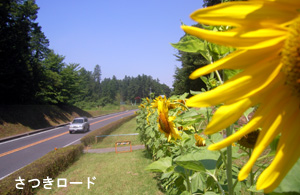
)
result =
(190, 43)
(50, 165)
(22, 46)
(161, 165)
(51, 85)
(210, 51)
(141, 86)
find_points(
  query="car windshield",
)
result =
(77, 121)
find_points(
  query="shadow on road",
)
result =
(38, 116)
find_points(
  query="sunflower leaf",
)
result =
(198, 161)
(190, 44)
(162, 165)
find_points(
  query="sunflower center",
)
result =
(291, 57)
(164, 124)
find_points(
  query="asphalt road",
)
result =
(17, 153)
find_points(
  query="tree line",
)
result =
(72, 84)
(31, 73)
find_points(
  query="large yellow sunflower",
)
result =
(165, 122)
(266, 36)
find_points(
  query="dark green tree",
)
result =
(189, 63)
(96, 84)
(207, 3)
(86, 83)
(70, 92)
(128, 89)
(50, 88)
(22, 47)
(97, 74)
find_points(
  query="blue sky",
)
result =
(124, 37)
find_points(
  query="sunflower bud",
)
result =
(199, 140)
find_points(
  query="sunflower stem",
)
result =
(251, 173)
(187, 178)
(186, 173)
(219, 76)
(208, 119)
(217, 182)
(229, 163)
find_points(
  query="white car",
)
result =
(79, 124)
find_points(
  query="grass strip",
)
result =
(126, 128)
(115, 174)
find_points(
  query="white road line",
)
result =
(30, 135)
(71, 143)
(13, 172)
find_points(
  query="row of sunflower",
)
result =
(262, 73)
(172, 133)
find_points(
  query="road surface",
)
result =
(17, 153)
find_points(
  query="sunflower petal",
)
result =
(239, 59)
(272, 126)
(246, 84)
(286, 156)
(269, 131)
(228, 114)
(255, 39)
(169, 137)
(254, 123)
(251, 126)
(244, 14)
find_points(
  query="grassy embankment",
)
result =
(127, 128)
(17, 119)
(122, 173)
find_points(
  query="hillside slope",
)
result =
(16, 119)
